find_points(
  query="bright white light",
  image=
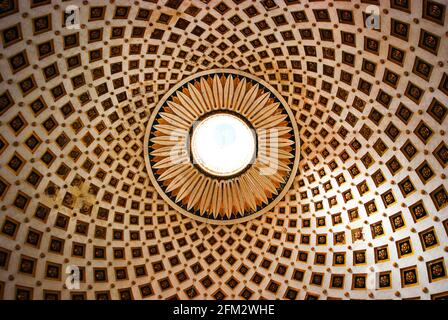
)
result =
(222, 144)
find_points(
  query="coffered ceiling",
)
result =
(366, 215)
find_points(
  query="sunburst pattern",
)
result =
(241, 196)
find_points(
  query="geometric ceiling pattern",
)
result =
(366, 216)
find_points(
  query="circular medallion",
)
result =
(222, 147)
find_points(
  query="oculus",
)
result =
(223, 144)
(222, 147)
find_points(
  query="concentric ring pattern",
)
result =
(366, 215)
(210, 198)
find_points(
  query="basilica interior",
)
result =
(91, 92)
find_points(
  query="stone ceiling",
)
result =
(366, 217)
